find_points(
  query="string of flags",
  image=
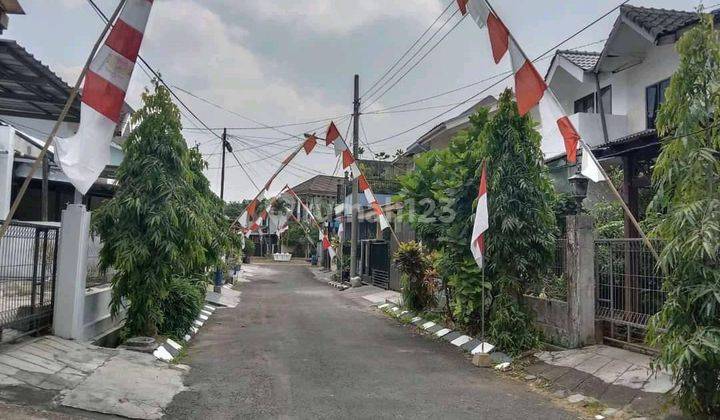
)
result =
(531, 91)
(85, 155)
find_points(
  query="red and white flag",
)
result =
(559, 134)
(84, 156)
(477, 242)
(333, 137)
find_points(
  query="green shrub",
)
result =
(181, 306)
(418, 288)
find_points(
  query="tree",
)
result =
(440, 198)
(687, 181)
(164, 224)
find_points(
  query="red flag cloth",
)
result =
(529, 85)
(326, 242)
(332, 134)
(252, 207)
(310, 144)
(462, 4)
(376, 207)
(263, 215)
(571, 138)
(477, 242)
(348, 158)
(499, 37)
(362, 183)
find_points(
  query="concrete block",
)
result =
(460, 340)
(427, 325)
(452, 336)
(482, 360)
(23, 365)
(443, 332)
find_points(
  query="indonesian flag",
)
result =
(380, 215)
(530, 87)
(590, 168)
(477, 243)
(85, 155)
(310, 143)
(347, 158)
(328, 246)
(332, 134)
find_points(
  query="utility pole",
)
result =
(222, 170)
(356, 140)
(219, 278)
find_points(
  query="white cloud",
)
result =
(343, 16)
(195, 48)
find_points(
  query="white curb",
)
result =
(463, 339)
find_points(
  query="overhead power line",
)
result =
(507, 76)
(417, 41)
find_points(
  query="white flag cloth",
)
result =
(85, 155)
(589, 167)
(341, 229)
(477, 242)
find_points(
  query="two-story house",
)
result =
(612, 96)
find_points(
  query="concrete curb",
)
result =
(457, 339)
(171, 349)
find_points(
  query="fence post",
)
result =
(580, 257)
(68, 317)
(7, 156)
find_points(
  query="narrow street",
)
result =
(296, 348)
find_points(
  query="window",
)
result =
(585, 105)
(654, 97)
(589, 105)
(606, 98)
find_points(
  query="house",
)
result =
(612, 96)
(31, 99)
(439, 136)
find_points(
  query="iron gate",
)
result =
(629, 289)
(380, 264)
(28, 256)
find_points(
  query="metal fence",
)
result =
(96, 277)
(28, 256)
(629, 288)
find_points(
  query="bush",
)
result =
(181, 306)
(418, 288)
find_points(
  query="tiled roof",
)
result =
(319, 185)
(660, 22)
(586, 60)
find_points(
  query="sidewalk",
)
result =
(45, 370)
(616, 377)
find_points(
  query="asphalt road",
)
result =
(296, 348)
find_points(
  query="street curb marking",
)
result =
(428, 325)
(443, 332)
(458, 342)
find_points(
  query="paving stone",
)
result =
(40, 351)
(23, 365)
(530, 377)
(31, 358)
(618, 396)
(7, 370)
(572, 360)
(572, 379)
(32, 378)
(612, 371)
(659, 383)
(593, 363)
(10, 381)
(635, 377)
(452, 336)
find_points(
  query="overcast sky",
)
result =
(291, 61)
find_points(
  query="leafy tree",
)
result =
(687, 180)
(382, 156)
(164, 223)
(521, 239)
